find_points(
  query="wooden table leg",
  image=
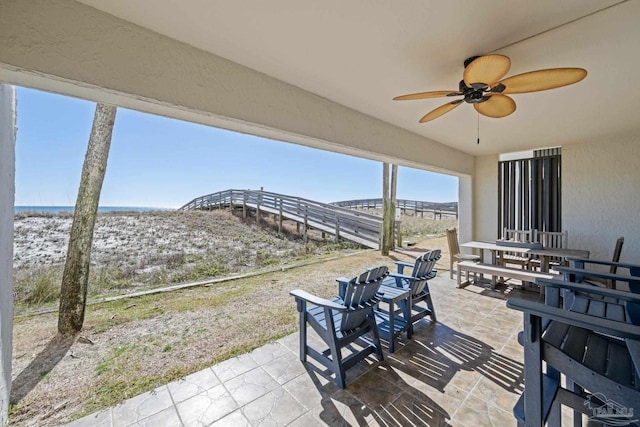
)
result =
(544, 264)
(482, 261)
(494, 260)
(544, 268)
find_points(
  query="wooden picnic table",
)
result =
(544, 254)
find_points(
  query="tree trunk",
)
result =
(386, 219)
(73, 293)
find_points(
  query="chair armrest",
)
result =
(299, 294)
(402, 264)
(402, 276)
(598, 324)
(579, 272)
(590, 289)
(627, 265)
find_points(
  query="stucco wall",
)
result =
(7, 179)
(485, 198)
(601, 196)
(70, 48)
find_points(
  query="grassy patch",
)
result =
(111, 391)
(416, 228)
(109, 364)
(37, 288)
(123, 373)
(104, 316)
(120, 379)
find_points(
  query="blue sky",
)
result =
(160, 162)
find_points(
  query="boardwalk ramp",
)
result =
(338, 221)
(417, 206)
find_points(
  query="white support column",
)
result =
(7, 187)
(465, 209)
(485, 198)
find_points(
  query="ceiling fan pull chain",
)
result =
(478, 114)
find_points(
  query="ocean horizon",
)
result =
(70, 209)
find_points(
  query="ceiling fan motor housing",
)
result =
(474, 94)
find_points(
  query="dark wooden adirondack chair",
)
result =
(601, 304)
(593, 343)
(419, 304)
(341, 321)
(613, 266)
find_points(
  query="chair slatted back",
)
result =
(422, 271)
(553, 239)
(359, 294)
(617, 251)
(436, 254)
(616, 254)
(420, 265)
(452, 240)
(518, 235)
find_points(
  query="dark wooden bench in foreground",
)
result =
(499, 271)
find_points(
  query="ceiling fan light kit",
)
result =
(483, 86)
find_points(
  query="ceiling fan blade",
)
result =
(434, 114)
(497, 106)
(535, 81)
(486, 69)
(425, 95)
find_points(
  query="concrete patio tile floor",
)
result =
(463, 370)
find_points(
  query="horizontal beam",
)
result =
(70, 48)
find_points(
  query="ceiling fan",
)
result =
(482, 86)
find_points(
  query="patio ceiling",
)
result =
(361, 54)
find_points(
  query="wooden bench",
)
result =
(500, 271)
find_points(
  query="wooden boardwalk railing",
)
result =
(438, 209)
(344, 223)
